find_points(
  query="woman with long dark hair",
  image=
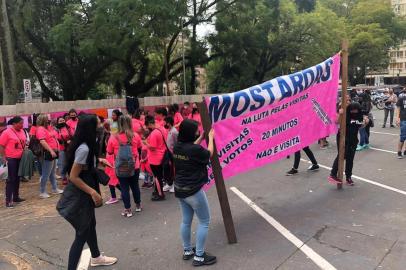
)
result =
(82, 194)
(191, 161)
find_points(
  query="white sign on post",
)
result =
(27, 90)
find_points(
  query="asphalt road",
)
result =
(360, 227)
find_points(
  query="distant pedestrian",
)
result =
(390, 105)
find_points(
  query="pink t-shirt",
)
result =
(63, 137)
(177, 119)
(137, 125)
(198, 119)
(72, 124)
(14, 142)
(113, 146)
(33, 130)
(156, 140)
(49, 135)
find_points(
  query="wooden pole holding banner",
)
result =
(343, 126)
(218, 177)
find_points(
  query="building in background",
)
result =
(396, 71)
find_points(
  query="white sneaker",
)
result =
(102, 261)
(172, 190)
(57, 191)
(167, 188)
(44, 195)
(58, 176)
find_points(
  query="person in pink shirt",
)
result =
(137, 123)
(160, 114)
(73, 121)
(48, 138)
(12, 145)
(185, 111)
(155, 144)
(64, 138)
(195, 115)
(126, 136)
(177, 116)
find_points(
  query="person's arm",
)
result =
(200, 139)
(397, 115)
(47, 147)
(79, 183)
(210, 147)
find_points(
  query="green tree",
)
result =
(269, 39)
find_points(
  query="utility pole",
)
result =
(7, 59)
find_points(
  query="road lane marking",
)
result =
(84, 260)
(316, 258)
(366, 180)
(383, 150)
(384, 133)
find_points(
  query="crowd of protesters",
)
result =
(162, 149)
(144, 145)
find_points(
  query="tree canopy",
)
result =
(80, 49)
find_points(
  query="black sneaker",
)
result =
(350, 182)
(188, 254)
(206, 259)
(400, 155)
(392, 126)
(383, 126)
(156, 198)
(314, 167)
(18, 200)
(292, 172)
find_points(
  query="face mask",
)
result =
(60, 125)
(359, 92)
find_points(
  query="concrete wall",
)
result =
(60, 106)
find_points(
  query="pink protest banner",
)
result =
(270, 121)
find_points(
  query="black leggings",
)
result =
(158, 172)
(309, 153)
(90, 237)
(113, 190)
(349, 154)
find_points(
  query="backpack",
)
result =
(124, 163)
(35, 146)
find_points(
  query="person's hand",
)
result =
(341, 111)
(3, 160)
(105, 162)
(97, 199)
(211, 134)
(53, 154)
(398, 122)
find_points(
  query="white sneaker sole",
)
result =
(104, 264)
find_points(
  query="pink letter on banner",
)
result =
(270, 121)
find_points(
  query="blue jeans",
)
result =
(363, 137)
(61, 164)
(127, 183)
(198, 204)
(48, 172)
(37, 163)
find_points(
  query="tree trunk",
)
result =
(7, 60)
